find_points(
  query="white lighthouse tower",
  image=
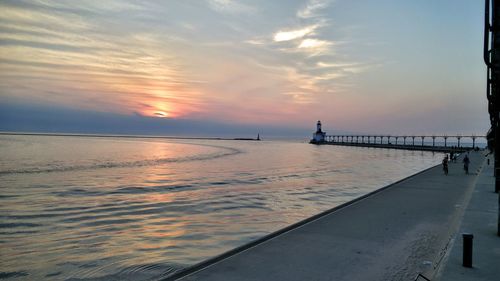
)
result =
(319, 135)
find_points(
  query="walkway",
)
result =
(394, 234)
(480, 219)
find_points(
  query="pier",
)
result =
(443, 143)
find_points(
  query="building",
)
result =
(319, 135)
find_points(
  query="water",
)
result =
(78, 208)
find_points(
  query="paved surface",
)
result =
(395, 234)
(480, 219)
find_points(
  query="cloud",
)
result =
(311, 8)
(50, 55)
(230, 7)
(255, 42)
(335, 65)
(314, 44)
(349, 67)
(281, 36)
(172, 58)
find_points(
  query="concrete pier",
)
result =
(396, 233)
(480, 219)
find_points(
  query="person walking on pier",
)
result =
(445, 165)
(466, 164)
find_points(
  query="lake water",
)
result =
(82, 208)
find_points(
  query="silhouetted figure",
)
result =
(466, 164)
(445, 165)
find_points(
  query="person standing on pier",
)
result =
(466, 164)
(445, 165)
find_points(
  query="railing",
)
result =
(387, 140)
(448, 144)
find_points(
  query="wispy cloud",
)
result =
(349, 67)
(281, 36)
(312, 8)
(68, 58)
(306, 44)
(230, 6)
(173, 58)
(314, 43)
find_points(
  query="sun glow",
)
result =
(159, 109)
(160, 114)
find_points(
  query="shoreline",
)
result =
(121, 136)
(336, 236)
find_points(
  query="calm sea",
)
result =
(81, 208)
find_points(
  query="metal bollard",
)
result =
(467, 251)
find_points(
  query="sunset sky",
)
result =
(364, 66)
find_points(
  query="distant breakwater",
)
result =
(123, 136)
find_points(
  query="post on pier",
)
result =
(458, 141)
(397, 140)
(433, 141)
(473, 142)
(445, 138)
(413, 140)
(423, 137)
(404, 140)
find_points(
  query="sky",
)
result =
(209, 67)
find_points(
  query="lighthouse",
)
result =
(319, 135)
